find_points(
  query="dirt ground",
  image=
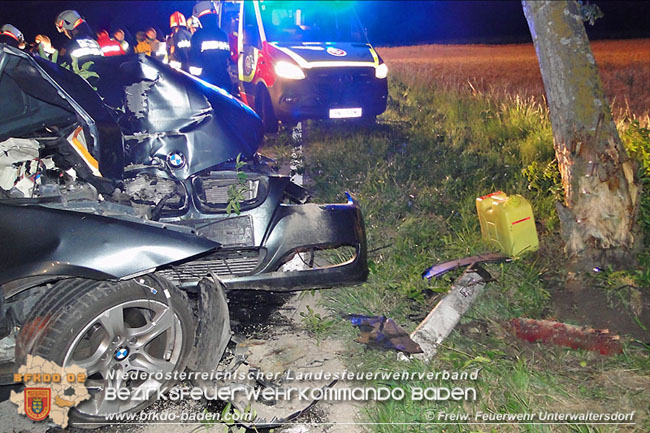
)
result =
(590, 307)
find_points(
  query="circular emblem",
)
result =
(248, 64)
(176, 159)
(121, 353)
(336, 52)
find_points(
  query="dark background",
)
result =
(387, 22)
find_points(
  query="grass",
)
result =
(504, 70)
(417, 174)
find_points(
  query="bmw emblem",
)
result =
(121, 353)
(176, 159)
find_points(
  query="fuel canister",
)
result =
(507, 222)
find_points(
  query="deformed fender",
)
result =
(39, 242)
(213, 326)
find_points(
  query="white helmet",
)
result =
(203, 8)
(68, 20)
(13, 31)
(194, 22)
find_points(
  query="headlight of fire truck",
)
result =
(381, 71)
(289, 70)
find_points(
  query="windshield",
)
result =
(310, 21)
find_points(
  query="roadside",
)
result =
(417, 175)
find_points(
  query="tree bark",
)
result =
(599, 217)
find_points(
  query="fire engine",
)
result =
(297, 60)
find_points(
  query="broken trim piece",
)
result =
(81, 149)
(442, 268)
(437, 326)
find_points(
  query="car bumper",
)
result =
(292, 229)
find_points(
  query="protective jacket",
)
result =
(109, 47)
(80, 50)
(209, 56)
(179, 44)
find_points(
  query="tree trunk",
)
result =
(599, 217)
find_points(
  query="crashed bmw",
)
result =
(118, 247)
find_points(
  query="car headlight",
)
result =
(381, 71)
(289, 70)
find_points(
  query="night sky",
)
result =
(388, 22)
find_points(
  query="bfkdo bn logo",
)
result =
(50, 390)
(37, 403)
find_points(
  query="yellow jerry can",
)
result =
(507, 222)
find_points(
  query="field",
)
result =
(417, 173)
(513, 70)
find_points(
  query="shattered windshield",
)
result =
(312, 21)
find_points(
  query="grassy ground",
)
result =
(417, 174)
(513, 69)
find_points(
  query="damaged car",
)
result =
(119, 240)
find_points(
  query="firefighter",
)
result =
(120, 36)
(109, 46)
(151, 46)
(179, 42)
(10, 35)
(81, 47)
(210, 48)
(193, 24)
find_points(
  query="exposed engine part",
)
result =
(147, 189)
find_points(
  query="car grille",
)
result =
(341, 85)
(233, 264)
(215, 191)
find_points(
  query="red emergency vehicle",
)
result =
(299, 60)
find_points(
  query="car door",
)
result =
(250, 44)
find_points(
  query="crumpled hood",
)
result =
(312, 54)
(175, 118)
(159, 115)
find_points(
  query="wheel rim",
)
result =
(129, 338)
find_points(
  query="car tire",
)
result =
(144, 324)
(266, 112)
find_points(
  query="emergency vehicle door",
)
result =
(249, 43)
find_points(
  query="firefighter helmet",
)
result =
(203, 8)
(68, 20)
(12, 31)
(177, 19)
(194, 23)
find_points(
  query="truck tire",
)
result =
(266, 112)
(130, 326)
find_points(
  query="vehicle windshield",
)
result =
(310, 21)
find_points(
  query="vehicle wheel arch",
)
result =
(40, 333)
(264, 107)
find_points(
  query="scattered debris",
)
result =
(244, 374)
(561, 334)
(433, 330)
(384, 332)
(442, 268)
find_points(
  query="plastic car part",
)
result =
(442, 268)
